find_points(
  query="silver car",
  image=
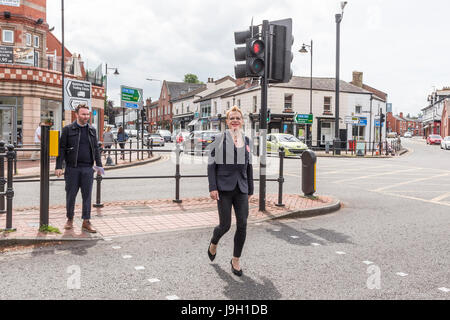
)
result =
(156, 138)
(445, 143)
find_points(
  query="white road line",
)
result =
(401, 274)
(172, 298)
(138, 268)
(107, 239)
(374, 175)
(414, 198)
(276, 230)
(367, 262)
(127, 256)
(340, 252)
(153, 280)
(410, 181)
(294, 237)
(441, 197)
(315, 244)
(116, 247)
(443, 289)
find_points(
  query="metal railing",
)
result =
(7, 151)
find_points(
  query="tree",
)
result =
(191, 78)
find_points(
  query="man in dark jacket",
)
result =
(79, 149)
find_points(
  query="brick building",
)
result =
(401, 124)
(30, 76)
(445, 120)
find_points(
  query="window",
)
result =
(28, 39)
(36, 41)
(228, 105)
(36, 59)
(288, 101)
(327, 105)
(187, 108)
(239, 103)
(357, 109)
(255, 104)
(215, 107)
(182, 108)
(8, 36)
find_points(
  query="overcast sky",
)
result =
(401, 46)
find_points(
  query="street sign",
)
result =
(362, 121)
(131, 97)
(303, 119)
(348, 120)
(76, 92)
(377, 123)
(6, 54)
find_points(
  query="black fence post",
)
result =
(148, 147)
(131, 146)
(151, 147)
(2, 176)
(177, 174)
(10, 190)
(15, 159)
(45, 176)
(115, 149)
(280, 179)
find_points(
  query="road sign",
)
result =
(131, 97)
(6, 54)
(377, 123)
(362, 121)
(77, 92)
(348, 120)
(303, 119)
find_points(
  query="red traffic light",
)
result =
(257, 47)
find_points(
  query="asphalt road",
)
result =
(389, 241)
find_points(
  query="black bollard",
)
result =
(10, 190)
(2, 176)
(115, 148)
(280, 180)
(131, 146)
(98, 202)
(309, 172)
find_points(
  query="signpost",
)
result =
(131, 97)
(77, 92)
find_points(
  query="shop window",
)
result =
(8, 36)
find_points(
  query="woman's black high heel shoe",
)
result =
(236, 272)
(210, 255)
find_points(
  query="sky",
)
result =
(400, 46)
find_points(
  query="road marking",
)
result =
(315, 244)
(107, 239)
(138, 268)
(408, 182)
(443, 289)
(414, 198)
(127, 256)
(153, 280)
(441, 197)
(367, 262)
(276, 230)
(116, 247)
(375, 175)
(172, 298)
(340, 252)
(294, 237)
(401, 274)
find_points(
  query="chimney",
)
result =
(357, 79)
(401, 115)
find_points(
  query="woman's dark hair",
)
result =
(120, 130)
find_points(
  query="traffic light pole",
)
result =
(263, 122)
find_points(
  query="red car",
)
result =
(434, 139)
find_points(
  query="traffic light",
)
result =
(252, 53)
(268, 115)
(281, 51)
(382, 117)
(143, 115)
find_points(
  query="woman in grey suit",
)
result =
(230, 177)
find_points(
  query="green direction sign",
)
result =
(131, 97)
(304, 119)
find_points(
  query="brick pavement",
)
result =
(149, 216)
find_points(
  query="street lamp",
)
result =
(151, 79)
(116, 72)
(308, 126)
(339, 18)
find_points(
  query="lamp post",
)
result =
(339, 18)
(151, 79)
(308, 126)
(116, 72)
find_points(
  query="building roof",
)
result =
(323, 84)
(190, 94)
(215, 94)
(177, 89)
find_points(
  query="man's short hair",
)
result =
(81, 106)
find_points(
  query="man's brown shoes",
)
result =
(88, 227)
(69, 224)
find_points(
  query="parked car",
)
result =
(292, 145)
(407, 135)
(165, 134)
(197, 141)
(157, 139)
(139, 133)
(392, 135)
(181, 136)
(445, 143)
(434, 139)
